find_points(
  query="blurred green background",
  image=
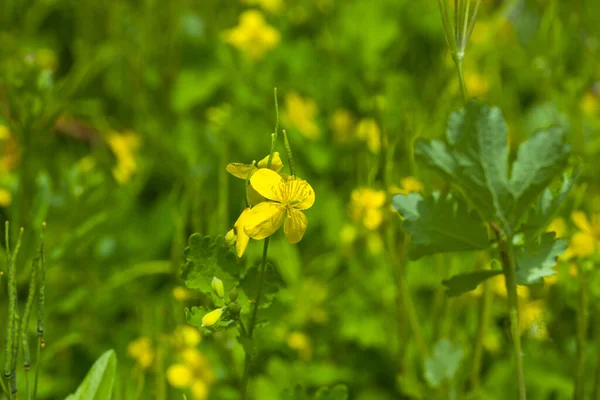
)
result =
(118, 117)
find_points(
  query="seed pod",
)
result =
(234, 308)
(233, 294)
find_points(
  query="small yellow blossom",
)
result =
(558, 226)
(180, 293)
(288, 198)
(301, 113)
(586, 241)
(531, 319)
(186, 336)
(252, 36)
(408, 185)
(366, 206)
(124, 147)
(180, 375)
(301, 343)
(341, 124)
(271, 6)
(477, 84)
(212, 317)
(199, 390)
(5, 198)
(499, 287)
(141, 350)
(368, 131)
(590, 105)
(4, 132)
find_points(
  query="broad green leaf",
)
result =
(193, 87)
(539, 160)
(475, 158)
(271, 284)
(337, 392)
(98, 383)
(459, 284)
(536, 260)
(439, 224)
(444, 363)
(206, 258)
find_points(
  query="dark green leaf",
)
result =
(537, 259)
(337, 392)
(444, 363)
(272, 283)
(206, 258)
(459, 284)
(98, 383)
(439, 224)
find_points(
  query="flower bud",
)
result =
(234, 308)
(230, 237)
(212, 318)
(233, 294)
(217, 287)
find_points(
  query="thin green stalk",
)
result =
(596, 389)
(27, 312)
(288, 148)
(508, 265)
(38, 362)
(483, 317)
(582, 323)
(40, 317)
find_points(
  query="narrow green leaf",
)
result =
(444, 363)
(98, 383)
(206, 258)
(537, 259)
(462, 283)
(440, 224)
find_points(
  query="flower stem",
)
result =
(482, 321)
(508, 265)
(582, 323)
(288, 148)
(251, 326)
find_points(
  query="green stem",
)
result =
(252, 325)
(458, 61)
(483, 317)
(596, 390)
(508, 265)
(38, 361)
(582, 323)
(288, 148)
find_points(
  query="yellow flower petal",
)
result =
(264, 219)
(239, 170)
(267, 183)
(179, 375)
(199, 390)
(242, 237)
(212, 317)
(581, 221)
(295, 225)
(276, 163)
(583, 244)
(299, 194)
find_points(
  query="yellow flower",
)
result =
(558, 226)
(253, 37)
(590, 105)
(124, 147)
(477, 85)
(366, 206)
(272, 6)
(245, 171)
(342, 124)
(499, 287)
(180, 375)
(238, 235)
(5, 198)
(141, 350)
(186, 336)
(199, 390)
(4, 132)
(212, 317)
(586, 241)
(288, 199)
(301, 114)
(368, 131)
(301, 343)
(408, 185)
(532, 319)
(180, 293)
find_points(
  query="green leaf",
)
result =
(206, 258)
(475, 159)
(537, 259)
(462, 283)
(98, 383)
(444, 363)
(193, 87)
(539, 160)
(271, 284)
(440, 224)
(337, 392)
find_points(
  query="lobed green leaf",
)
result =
(536, 259)
(462, 283)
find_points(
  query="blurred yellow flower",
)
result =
(301, 114)
(408, 185)
(181, 293)
(477, 85)
(558, 226)
(531, 319)
(124, 146)
(301, 343)
(191, 372)
(366, 206)
(499, 287)
(9, 149)
(288, 199)
(141, 350)
(186, 336)
(341, 124)
(180, 375)
(212, 317)
(252, 36)
(5, 198)
(4, 132)
(586, 241)
(368, 131)
(590, 105)
(271, 6)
